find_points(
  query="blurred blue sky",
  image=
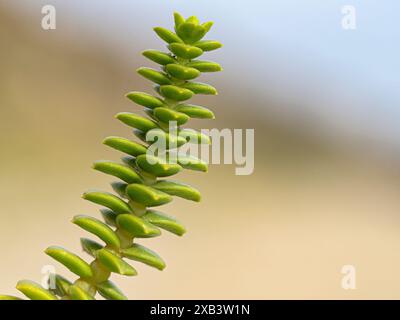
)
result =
(346, 81)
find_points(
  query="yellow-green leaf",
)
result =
(157, 166)
(108, 200)
(135, 121)
(171, 140)
(194, 136)
(179, 189)
(207, 25)
(193, 19)
(110, 291)
(34, 291)
(147, 195)
(114, 263)
(205, 66)
(137, 227)
(118, 170)
(7, 297)
(182, 72)
(164, 221)
(194, 111)
(142, 254)
(190, 31)
(192, 163)
(166, 115)
(90, 246)
(70, 260)
(167, 35)
(154, 75)
(208, 45)
(77, 293)
(119, 187)
(145, 99)
(200, 88)
(109, 216)
(158, 57)
(178, 19)
(130, 147)
(175, 93)
(61, 285)
(98, 228)
(185, 51)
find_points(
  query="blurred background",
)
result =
(324, 103)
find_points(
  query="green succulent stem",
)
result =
(129, 215)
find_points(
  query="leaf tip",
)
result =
(118, 115)
(48, 250)
(75, 219)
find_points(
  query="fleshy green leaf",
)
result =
(167, 35)
(192, 163)
(90, 246)
(171, 140)
(158, 57)
(137, 227)
(77, 293)
(145, 175)
(58, 285)
(154, 75)
(7, 297)
(114, 263)
(164, 221)
(135, 121)
(156, 166)
(178, 189)
(109, 216)
(140, 253)
(118, 170)
(200, 88)
(147, 195)
(166, 115)
(34, 291)
(193, 19)
(108, 200)
(130, 147)
(182, 72)
(194, 111)
(178, 19)
(110, 291)
(141, 134)
(185, 51)
(130, 161)
(207, 25)
(208, 45)
(145, 99)
(119, 187)
(190, 31)
(150, 112)
(98, 228)
(175, 93)
(70, 260)
(205, 66)
(194, 136)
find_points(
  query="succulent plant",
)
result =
(129, 216)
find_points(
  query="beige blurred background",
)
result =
(318, 199)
